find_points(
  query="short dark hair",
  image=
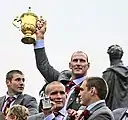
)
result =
(100, 85)
(115, 52)
(10, 74)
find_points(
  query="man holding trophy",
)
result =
(34, 30)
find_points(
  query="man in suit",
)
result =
(116, 76)
(15, 84)
(56, 92)
(93, 92)
(79, 65)
(120, 113)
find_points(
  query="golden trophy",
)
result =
(27, 25)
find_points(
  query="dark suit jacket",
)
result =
(101, 112)
(50, 74)
(98, 112)
(119, 113)
(39, 116)
(25, 100)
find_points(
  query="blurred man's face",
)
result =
(16, 84)
(57, 95)
(79, 64)
(85, 95)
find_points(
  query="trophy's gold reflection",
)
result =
(27, 24)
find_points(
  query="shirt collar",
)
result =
(7, 96)
(94, 104)
(79, 80)
(63, 111)
(49, 117)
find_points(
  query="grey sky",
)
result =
(88, 25)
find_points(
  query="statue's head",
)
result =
(115, 52)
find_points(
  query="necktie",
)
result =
(69, 85)
(8, 103)
(56, 113)
(58, 116)
(84, 115)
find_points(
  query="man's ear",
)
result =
(66, 94)
(7, 82)
(70, 65)
(88, 65)
(93, 91)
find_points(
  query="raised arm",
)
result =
(43, 65)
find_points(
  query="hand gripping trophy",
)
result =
(27, 24)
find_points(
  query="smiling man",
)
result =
(78, 66)
(15, 82)
(56, 92)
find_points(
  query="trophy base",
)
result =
(28, 40)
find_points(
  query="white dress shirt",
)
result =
(61, 116)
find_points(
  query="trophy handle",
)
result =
(16, 22)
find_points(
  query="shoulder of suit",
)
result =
(2, 97)
(26, 96)
(104, 110)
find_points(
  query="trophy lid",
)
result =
(29, 13)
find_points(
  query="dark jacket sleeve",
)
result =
(48, 72)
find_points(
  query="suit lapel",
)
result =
(71, 99)
(73, 96)
(2, 102)
(98, 106)
(95, 108)
(122, 114)
(19, 99)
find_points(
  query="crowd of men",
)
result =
(70, 94)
